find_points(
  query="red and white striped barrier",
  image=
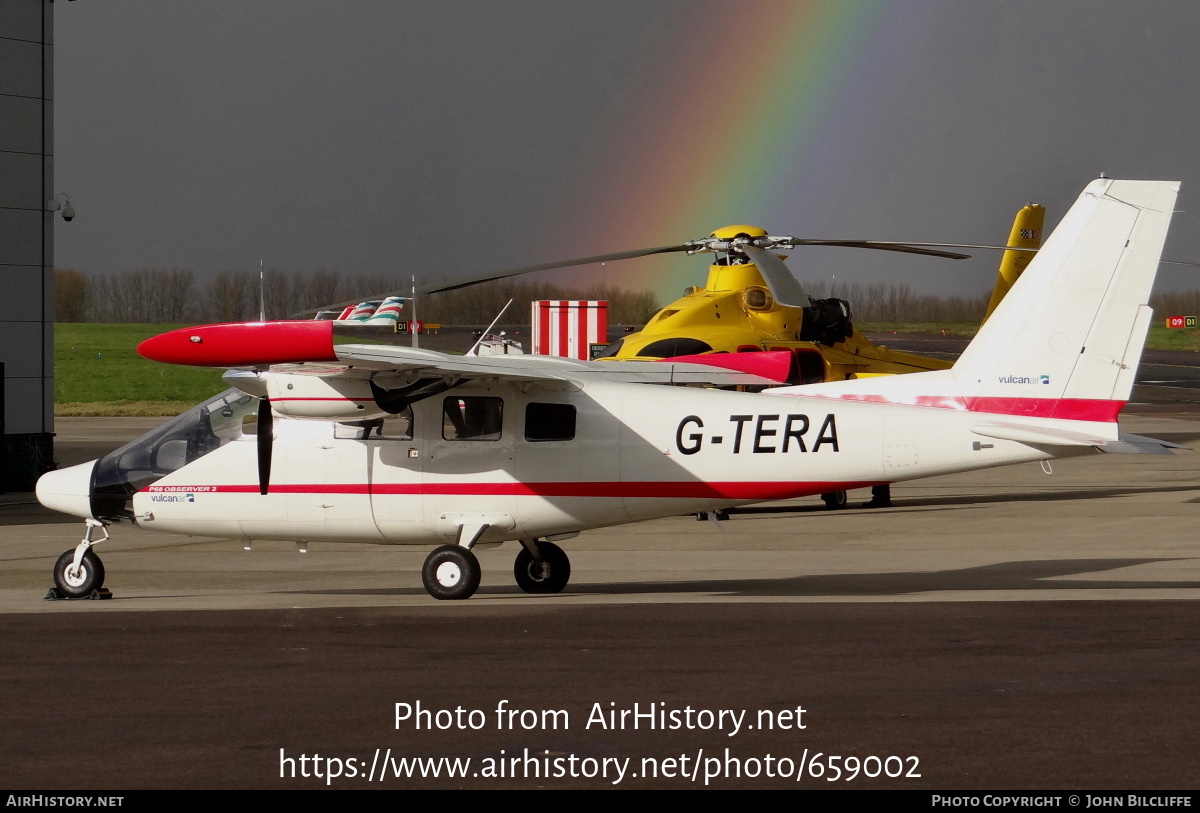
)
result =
(568, 327)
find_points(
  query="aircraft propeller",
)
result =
(266, 437)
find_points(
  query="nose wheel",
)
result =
(78, 582)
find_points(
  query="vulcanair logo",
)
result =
(173, 498)
(1024, 379)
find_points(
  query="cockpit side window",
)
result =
(168, 448)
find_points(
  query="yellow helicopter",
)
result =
(751, 302)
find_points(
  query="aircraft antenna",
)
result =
(262, 296)
(487, 332)
(414, 311)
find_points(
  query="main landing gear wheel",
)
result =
(549, 576)
(451, 573)
(80, 583)
(836, 500)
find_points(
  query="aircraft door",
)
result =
(394, 458)
(468, 473)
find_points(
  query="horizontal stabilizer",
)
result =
(1043, 436)
(1036, 435)
(1139, 444)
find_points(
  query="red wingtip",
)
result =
(243, 344)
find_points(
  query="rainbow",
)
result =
(737, 125)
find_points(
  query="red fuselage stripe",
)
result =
(660, 490)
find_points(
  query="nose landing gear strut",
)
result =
(79, 573)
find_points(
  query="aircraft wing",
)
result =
(308, 346)
(534, 368)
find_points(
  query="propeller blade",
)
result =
(266, 431)
(786, 289)
(906, 248)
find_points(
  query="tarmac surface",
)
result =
(1006, 629)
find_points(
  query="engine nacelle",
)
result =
(305, 395)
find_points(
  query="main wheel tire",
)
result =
(77, 585)
(836, 500)
(451, 573)
(551, 576)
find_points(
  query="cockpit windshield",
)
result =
(167, 448)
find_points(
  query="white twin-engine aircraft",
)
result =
(396, 445)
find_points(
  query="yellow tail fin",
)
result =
(1027, 234)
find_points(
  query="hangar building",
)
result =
(26, 239)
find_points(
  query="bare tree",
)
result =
(320, 288)
(229, 297)
(72, 296)
(171, 294)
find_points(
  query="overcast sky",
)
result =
(453, 138)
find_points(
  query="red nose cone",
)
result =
(243, 344)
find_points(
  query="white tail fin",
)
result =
(1071, 329)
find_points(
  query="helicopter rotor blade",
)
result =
(786, 289)
(512, 272)
(692, 247)
(880, 245)
(529, 269)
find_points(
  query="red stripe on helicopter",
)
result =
(775, 365)
(765, 490)
(243, 344)
(1071, 409)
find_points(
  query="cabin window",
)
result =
(389, 427)
(472, 418)
(549, 422)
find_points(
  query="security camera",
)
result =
(63, 205)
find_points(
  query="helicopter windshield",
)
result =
(611, 350)
(167, 448)
(675, 346)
